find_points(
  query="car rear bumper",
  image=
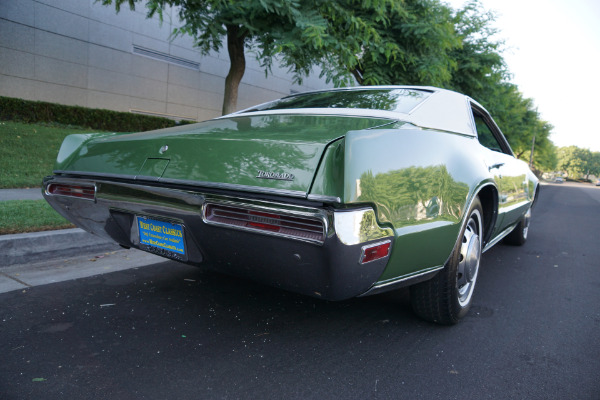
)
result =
(330, 261)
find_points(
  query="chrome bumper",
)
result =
(330, 268)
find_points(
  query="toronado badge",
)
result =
(280, 176)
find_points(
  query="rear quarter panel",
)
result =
(420, 183)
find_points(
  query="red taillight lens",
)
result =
(79, 191)
(263, 220)
(295, 226)
(375, 252)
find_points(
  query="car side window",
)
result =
(485, 135)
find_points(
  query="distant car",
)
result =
(332, 194)
(598, 182)
(559, 179)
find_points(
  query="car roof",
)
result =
(443, 109)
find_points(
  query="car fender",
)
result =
(420, 183)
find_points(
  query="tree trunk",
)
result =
(357, 75)
(235, 47)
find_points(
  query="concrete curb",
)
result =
(21, 194)
(23, 248)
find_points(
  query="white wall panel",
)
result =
(61, 47)
(110, 59)
(21, 11)
(65, 23)
(60, 72)
(16, 36)
(17, 63)
(79, 52)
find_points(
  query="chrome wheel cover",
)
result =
(469, 258)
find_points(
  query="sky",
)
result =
(552, 49)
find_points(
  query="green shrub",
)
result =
(38, 111)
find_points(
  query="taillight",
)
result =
(79, 191)
(375, 251)
(263, 220)
(288, 225)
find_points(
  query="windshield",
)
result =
(398, 100)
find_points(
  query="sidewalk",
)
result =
(21, 194)
(26, 248)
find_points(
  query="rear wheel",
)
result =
(518, 236)
(446, 298)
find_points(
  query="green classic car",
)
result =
(333, 194)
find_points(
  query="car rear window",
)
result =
(398, 100)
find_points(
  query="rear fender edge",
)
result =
(488, 195)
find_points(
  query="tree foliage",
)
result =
(372, 42)
(578, 162)
(414, 194)
(300, 33)
(481, 73)
(420, 36)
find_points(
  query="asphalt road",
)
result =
(169, 331)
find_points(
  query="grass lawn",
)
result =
(28, 152)
(18, 216)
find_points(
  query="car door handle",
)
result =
(495, 166)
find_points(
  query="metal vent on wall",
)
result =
(157, 55)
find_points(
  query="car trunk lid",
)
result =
(273, 153)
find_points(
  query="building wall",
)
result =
(78, 52)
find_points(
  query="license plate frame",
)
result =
(161, 237)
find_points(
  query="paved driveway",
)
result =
(169, 331)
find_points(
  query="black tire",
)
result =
(447, 297)
(518, 236)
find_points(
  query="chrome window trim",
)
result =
(491, 124)
(339, 112)
(429, 89)
(444, 110)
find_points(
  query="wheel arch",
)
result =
(488, 196)
(536, 195)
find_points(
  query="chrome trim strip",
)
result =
(323, 198)
(94, 174)
(402, 279)
(234, 186)
(498, 238)
(465, 211)
(339, 112)
(146, 178)
(215, 185)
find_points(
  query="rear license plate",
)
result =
(161, 237)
